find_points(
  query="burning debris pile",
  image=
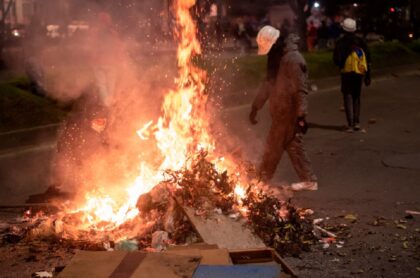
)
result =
(161, 221)
(277, 223)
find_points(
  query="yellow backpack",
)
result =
(356, 62)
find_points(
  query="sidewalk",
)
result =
(233, 102)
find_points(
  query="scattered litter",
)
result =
(234, 216)
(127, 245)
(307, 212)
(405, 244)
(412, 212)
(340, 244)
(107, 246)
(380, 221)
(218, 210)
(328, 233)
(328, 240)
(159, 240)
(318, 220)
(401, 226)
(42, 274)
(351, 217)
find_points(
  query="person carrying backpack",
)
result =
(352, 56)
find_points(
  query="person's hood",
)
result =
(291, 42)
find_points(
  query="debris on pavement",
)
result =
(159, 240)
(42, 274)
(412, 212)
(351, 217)
(328, 233)
(126, 245)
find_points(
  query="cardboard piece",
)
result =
(124, 264)
(208, 257)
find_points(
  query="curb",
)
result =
(29, 136)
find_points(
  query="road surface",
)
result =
(373, 176)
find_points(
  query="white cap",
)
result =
(266, 37)
(349, 25)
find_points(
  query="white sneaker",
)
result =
(305, 185)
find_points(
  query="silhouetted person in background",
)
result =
(352, 56)
(322, 38)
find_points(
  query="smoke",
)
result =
(114, 62)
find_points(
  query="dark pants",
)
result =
(274, 150)
(351, 87)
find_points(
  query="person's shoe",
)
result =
(357, 127)
(304, 186)
(349, 129)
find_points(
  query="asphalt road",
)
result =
(373, 175)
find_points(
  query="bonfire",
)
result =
(192, 173)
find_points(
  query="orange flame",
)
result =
(180, 131)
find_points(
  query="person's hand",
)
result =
(253, 116)
(367, 79)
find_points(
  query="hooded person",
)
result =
(352, 56)
(286, 89)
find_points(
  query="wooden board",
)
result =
(124, 264)
(223, 231)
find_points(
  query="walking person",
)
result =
(352, 56)
(286, 89)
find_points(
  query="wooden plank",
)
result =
(223, 231)
(125, 264)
